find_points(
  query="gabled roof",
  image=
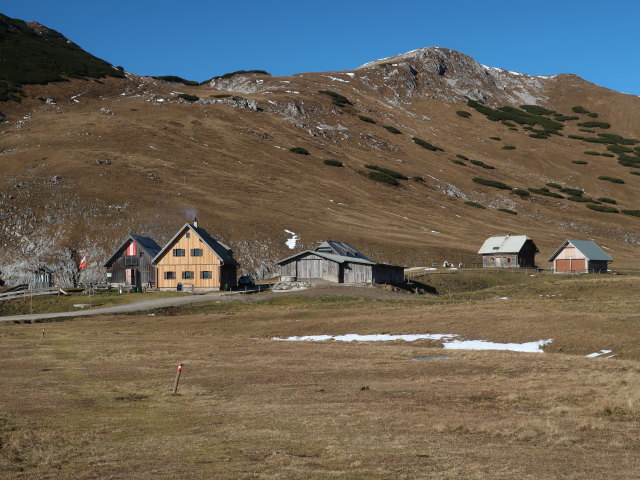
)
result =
(223, 252)
(588, 248)
(340, 248)
(329, 256)
(504, 244)
(148, 245)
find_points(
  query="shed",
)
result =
(580, 256)
(508, 251)
(338, 262)
(131, 263)
(43, 277)
(196, 260)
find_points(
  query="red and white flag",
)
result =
(131, 250)
(83, 262)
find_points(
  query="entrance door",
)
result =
(130, 276)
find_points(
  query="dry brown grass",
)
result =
(93, 400)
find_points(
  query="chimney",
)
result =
(195, 222)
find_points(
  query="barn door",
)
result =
(130, 276)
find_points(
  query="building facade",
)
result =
(509, 251)
(580, 256)
(131, 263)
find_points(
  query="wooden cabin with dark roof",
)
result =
(131, 263)
(580, 256)
(338, 262)
(508, 251)
(196, 261)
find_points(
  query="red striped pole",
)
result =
(175, 385)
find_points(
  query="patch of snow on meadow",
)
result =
(291, 242)
(528, 347)
(354, 337)
(597, 354)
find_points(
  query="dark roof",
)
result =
(342, 249)
(336, 258)
(223, 252)
(148, 245)
(588, 248)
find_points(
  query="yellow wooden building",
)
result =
(194, 260)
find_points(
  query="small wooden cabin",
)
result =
(580, 256)
(509, 251)
(338, 262)
(43, 277)
(131, 263)
(196, 261)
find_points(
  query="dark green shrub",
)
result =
(425, 144)
(554, 185)
(492, 183)
(238, 72)
(299, 150)
(592, 115)
(539, 135)
(366, 119)
(497, 139)
(461, 156)
(382, 178)
(586, 130)
(473, 204)
(481, 164)
(175, 79)
(545, 192)
(508, 147)
(579, 109)
(507, 123)
(463, 114)
(460, 162)
(515, 115)
(572, 191)
(589, 152)
(188, 98)
(634, 213)
(602, 208)
(339, 100)
(607, 200)
(580, 198)
(221, 95)
(619, 149)
(418, 179)
(576, 137)
(521, 193)
(579, 162)
(387, 171)
(634, 173)
(506, 210)
(513, 128)
(391, 129)
(607, 155)
(537, 110)
(595, 124)
(611, 179)
(333, 163)
(564, 118)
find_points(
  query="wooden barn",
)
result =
(131, 263)
(338, 262)
(509, 251)
(580, 256)
(196, 261)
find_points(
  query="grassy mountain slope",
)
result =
(34, 54)
(142, 155)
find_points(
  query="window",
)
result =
(169, 275)
(178, 252)
(187, 275)
(141, 254)
(205, 274)
(187, 235)
(196, 252)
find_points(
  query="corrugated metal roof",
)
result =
(340, 248)
(329, 256)
(504, 244)
(588, 248)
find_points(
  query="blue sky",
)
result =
(199, 39)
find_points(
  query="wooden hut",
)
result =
(193, 260)
(509, 251)
(338, 262)
(43, 277)
(580, 256)
(131, 263)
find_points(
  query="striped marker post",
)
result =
(175, 385)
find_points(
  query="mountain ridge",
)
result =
(87, 161)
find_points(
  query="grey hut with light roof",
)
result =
(338, 262)
(508, 251)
